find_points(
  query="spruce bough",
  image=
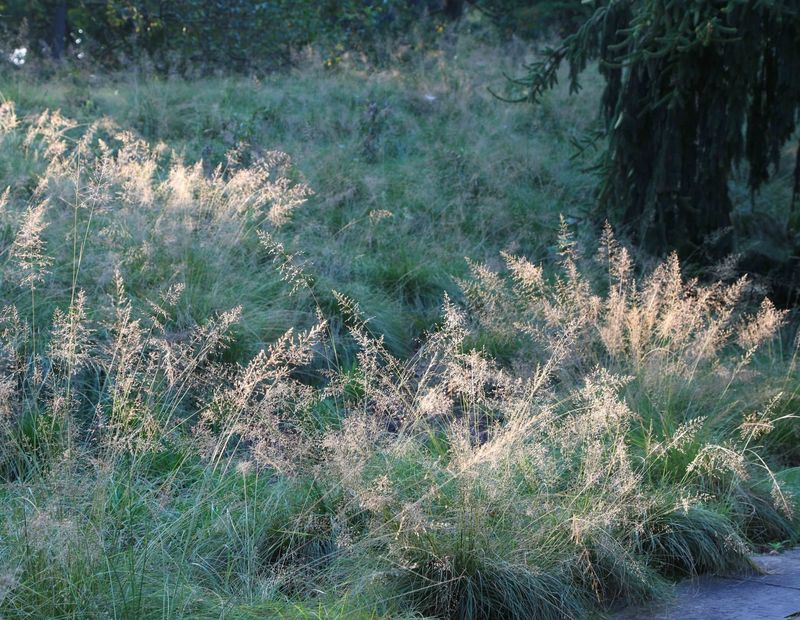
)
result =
(692, 89)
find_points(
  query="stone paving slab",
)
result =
(774, 595)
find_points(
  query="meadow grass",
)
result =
(240, 383)
(413, 167)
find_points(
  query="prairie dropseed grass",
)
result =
(221, 397)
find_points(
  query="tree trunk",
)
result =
(59, 31)
(454, 9)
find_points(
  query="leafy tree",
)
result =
(232, 34)
(692, 89)
(533, 19)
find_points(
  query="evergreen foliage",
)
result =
(692, 89)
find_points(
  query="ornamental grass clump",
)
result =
(155, 466)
